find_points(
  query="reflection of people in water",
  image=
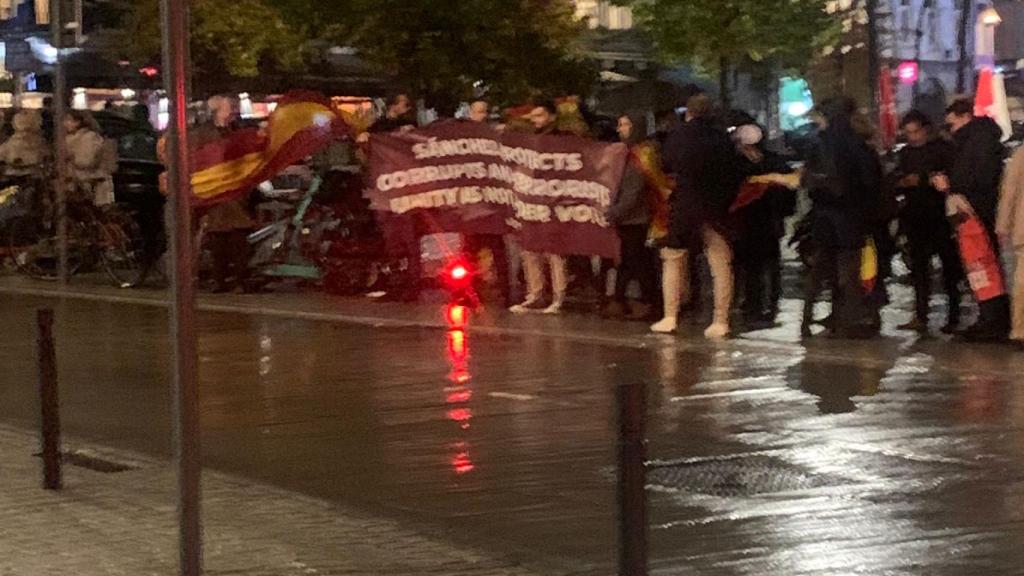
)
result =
(836, 386)
(981, 398)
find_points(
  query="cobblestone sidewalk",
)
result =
(124, 523)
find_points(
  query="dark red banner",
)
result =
(551, 192)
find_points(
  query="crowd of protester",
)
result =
(687, 192)
(698, 185)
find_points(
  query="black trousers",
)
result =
(839, 269)
(230, 251)
(761, 268)
(925, 240)
(994, 314)
(638, 263)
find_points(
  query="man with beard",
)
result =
(972, 185)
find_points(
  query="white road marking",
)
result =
(516, 397)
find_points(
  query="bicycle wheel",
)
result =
(33, 249)
(122, 249)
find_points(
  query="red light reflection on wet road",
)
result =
(458, 394)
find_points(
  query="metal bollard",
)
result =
(49, 401)
(632, 407)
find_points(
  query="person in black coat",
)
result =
(843, 177)
(923, 219)
(761, 226)
(704, 163)
(972, 184)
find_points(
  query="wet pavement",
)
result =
(770, 456)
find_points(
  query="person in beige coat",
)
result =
(1010, 228)
(91, 164)
(26, 153)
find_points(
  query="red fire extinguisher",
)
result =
(981, 261)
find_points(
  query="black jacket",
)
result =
(387, 124)
(705, 165)
(923, 202)
(844, 178)
(978, 166)
(762, 223)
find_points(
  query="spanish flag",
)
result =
(302, 124)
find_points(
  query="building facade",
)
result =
(602, 14)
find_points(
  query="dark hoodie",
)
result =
(843, 178)
(630, 207)
(978, 166)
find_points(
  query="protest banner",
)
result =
(551, 192)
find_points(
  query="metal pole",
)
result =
(632, 403)
(49, 401)
(60, 100)
(966, 13)
(174, 17)
(79, 24)
(873, 56)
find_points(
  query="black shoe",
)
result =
(754, 322)
(805, 330)
(856, 332)
(979, 333)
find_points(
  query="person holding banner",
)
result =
(403, 242)
(972, 189)
(475, 244)
(1010, 228)
(543, 117)
(704, 162)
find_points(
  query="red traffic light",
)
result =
(459, 272)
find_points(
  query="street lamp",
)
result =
(990, 17)
(985, 38)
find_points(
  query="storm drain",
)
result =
(94, 463)
(746, 476)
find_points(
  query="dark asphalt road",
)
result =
(887, 457)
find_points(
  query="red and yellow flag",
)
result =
(646, 159)
(302, 124)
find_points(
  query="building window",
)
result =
(619, 18)
(601, 14)
(586, 10)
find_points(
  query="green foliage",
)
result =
(782, 33)
(433, 48)
(440, 48)
(234, 36)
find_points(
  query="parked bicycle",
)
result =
(97, 237)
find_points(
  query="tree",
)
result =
(718, 35)
(236, 37)
(439, 49)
